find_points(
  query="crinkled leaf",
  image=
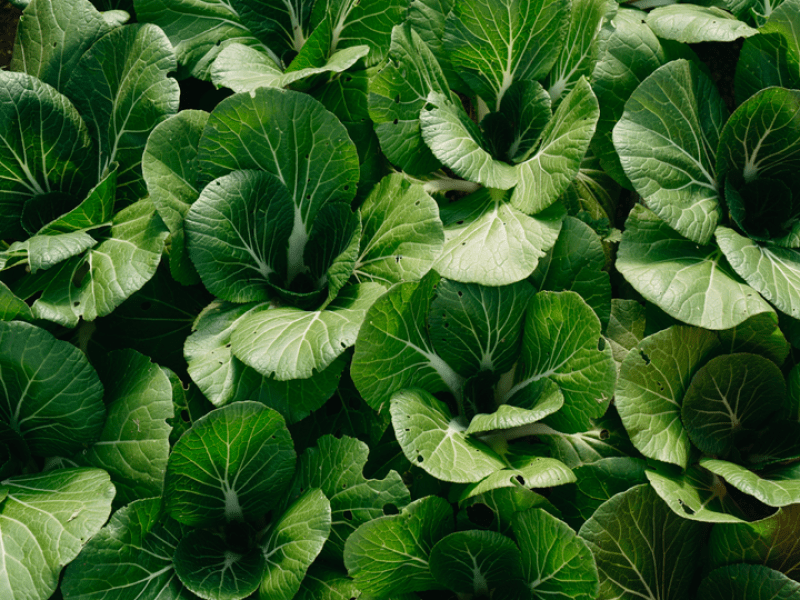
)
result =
(667, 142)
(134, 444)
(49, 393)
(691, 23)
(289, 343)
(44, 521)
(390, 555)
(232, 465)
(490, 242)
(555, 561)
(776, 486)
(692, 283)
(120, 86)
(546, 175)
(642, 548)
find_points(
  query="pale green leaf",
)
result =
(692, 23)
(776, 486)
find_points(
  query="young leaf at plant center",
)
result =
(397, 95)
(436, 441)
(529, 405)
(525, 469)
(134, 444)
(750, 582)
(121, 87)
(50, 395)
(293, 542)
(232, 465)
(289, 343)
(281, 25)
(606, 438)
(524, 113)
(593, 197)
(52, 38)
(730, 396)
(524, 43)
(53, 152)
(771, 58)
(169, 170)
(490, 242)
(390, 555)
(772, 542)
(775, 486)
(135, 535)
(393, 350)
(684, 189)
(576, 263)
(555, 561)
(477, 563)
(546, 174)
(196, 30)
(560, 343)
(206, 565)
(652, 382)
(94, 284)
(401, 233)
(691, 283)
(640, 545)
(596, 483)
(44, 521)
(502, 504)
(699, 495)
(456, 141)
(691, 24)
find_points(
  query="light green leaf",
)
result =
(51, 153)
(529, 405)
(196, 28)
(121, 87)
(642, 548)
(555, 561)
(456, 141)
(524, 471)
(776, 486)
(134, 444)
(289, 343)
(691, 23)
(502, 504)
(748, 582)
(693, 284)
(771, 542)
(490, 242)
(53, 36)
(93, 285)
(393, 350)
(292, 544)
(207, 567)
(44, 521)
(667, 142)
(45, 251)
(232, 465)
(335, 466)
(476, 562)
(560, 343)
(698, 495)
(134, 535)
(244, 68)
(524, 42)
(401, 232)
(546, 175)
(606, 438)
(433, 439)
(390, 555)
(397, 95)
(50, 393)
(772, 271)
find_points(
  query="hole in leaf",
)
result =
(227, 345)
(397, 99)
(347, 187)
(419, 458)
(460, 294)
(604, 434)
(686, 509)
(644, 356)
(519, 479)
(80, 273)
(185, 416)
(395, 121)
(348, 515)
(390, 509)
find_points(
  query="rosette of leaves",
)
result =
(75, 119)
(71, 436)
(418, 550)
(716, 406)
(509, 140)
(510, 362)
(270, 231)
(717, 243)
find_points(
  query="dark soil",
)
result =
(9, 17)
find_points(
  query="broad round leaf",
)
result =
(691, 24)
(232, 465)
(51, 395)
